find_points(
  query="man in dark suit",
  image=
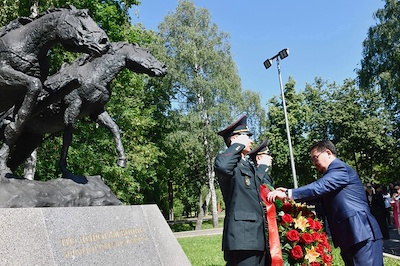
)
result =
(244, 240)
(352, 226)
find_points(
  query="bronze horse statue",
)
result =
(24, 46)
(95, 76)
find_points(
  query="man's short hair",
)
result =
(323, 145)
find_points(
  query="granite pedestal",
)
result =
(104, 235)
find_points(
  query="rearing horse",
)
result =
(24, 45)
(95, 76)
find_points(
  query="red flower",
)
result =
(325, 242)
(327, 246)
(315, 264)
(311, 223)
(316, 236)
(296, 252)
(317, 225)
(306, 238)
(314, 224)
(292, 235)
(320, 249)
(287, 219)
(327, 258)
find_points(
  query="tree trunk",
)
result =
(171, 201)
(203, 206)
(201, 214)
(211, 179)
(210, 174)
(213, 200)
(209, 160)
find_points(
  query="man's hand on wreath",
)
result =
(279, 193)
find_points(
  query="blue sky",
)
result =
(324, 38)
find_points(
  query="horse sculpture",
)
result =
(95, 76)
(24, 45)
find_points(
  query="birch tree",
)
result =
(207, 88)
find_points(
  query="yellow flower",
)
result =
(300, 223)
(311, 255)
(299, 205)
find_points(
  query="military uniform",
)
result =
(244, 241)
(262, 170)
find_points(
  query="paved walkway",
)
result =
(391, 247)
(206, 232)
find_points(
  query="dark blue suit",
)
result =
(345, 204)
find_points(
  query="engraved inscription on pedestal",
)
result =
(106, 235)
(88, 244)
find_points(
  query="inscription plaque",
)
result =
(105, 235)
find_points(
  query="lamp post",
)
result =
(268, 63)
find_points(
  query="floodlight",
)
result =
(268, 63)
(284, 53)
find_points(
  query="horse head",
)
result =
(79, 32)
(140, 60)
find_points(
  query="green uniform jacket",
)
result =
(239, 181)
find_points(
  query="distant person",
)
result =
(243, 240)
(377, 207)
(396, 207)
(353, 228)
(392, 189)
(388, 208)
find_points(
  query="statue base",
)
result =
(61, 192)
(102, 235)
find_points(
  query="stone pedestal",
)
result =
(104, 235)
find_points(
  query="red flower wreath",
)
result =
(303, 240)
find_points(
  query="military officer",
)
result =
(262, 158)
(244, 240)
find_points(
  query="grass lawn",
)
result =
(206, 250)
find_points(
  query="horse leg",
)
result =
(67, 140)
(71, 114)
(11, 79)
(105, 119)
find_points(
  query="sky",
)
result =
(324, 38)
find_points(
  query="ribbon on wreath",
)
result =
(273, 233)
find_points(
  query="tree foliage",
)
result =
(357, 122)
(381, 55)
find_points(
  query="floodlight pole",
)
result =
(283, 54)
(287, 125)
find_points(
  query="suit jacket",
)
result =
(244, 219)
(345, 205)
